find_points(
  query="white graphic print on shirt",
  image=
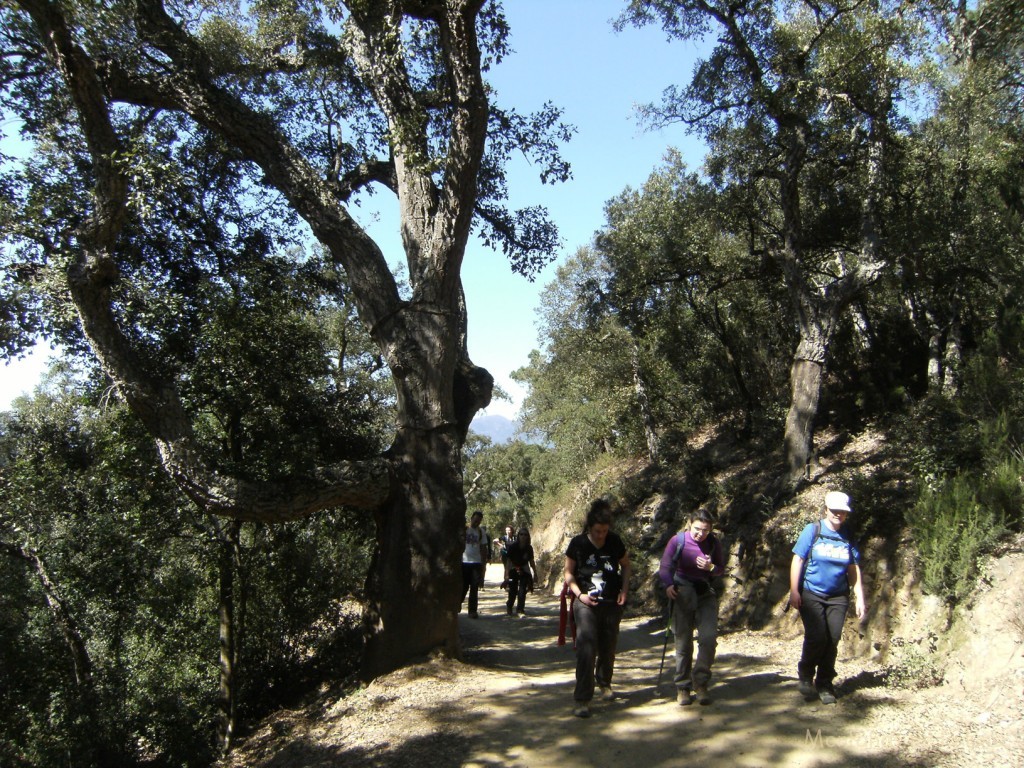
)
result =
(601, 568)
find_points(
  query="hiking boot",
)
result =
(521, 613)
(807, 689)
(683, 697)
(607, 694)
(509, 610)
(473, 614)
(827, 695)
(581, 710)
(703, 697)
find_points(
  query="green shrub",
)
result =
(913, 666)
(1002, 490)
(954, 524)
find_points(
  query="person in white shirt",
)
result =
(474, 559)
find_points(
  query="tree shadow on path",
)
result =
(757, 718)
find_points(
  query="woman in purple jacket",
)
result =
(691, 560)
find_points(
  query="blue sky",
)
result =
(566, 52)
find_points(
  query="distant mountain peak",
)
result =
(494, 426)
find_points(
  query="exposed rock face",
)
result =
(986, 642)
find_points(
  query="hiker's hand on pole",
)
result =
(671, 592)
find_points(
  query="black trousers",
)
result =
(823, 619)
(519, 583)
(597, 635)
(471, 579)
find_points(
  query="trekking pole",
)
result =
(664, 648)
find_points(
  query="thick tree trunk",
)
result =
(805, 381)
(818, 310)
(415, 580)
(805, 387)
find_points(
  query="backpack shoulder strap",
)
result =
(810, 552)
(680, 540)
(814, 538)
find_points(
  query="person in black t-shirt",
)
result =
(597, 573)
(520, 571)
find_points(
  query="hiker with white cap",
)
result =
(825, 567)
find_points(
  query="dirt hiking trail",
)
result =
(509, 704)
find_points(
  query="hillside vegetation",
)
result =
(916, 632)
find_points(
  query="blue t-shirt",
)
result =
(825, 567)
